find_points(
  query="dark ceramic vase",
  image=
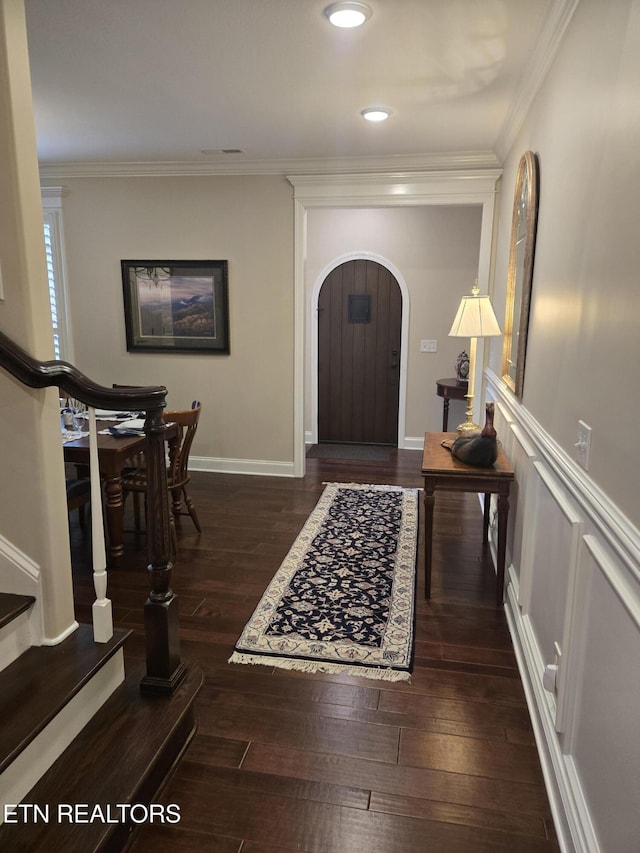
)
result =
(462, 368)
(479, 449)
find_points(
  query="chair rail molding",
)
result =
(621, 535)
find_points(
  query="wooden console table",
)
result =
(449, 389)
(442, 471)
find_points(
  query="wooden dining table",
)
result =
(113, 453)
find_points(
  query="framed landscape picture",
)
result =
(176, 306)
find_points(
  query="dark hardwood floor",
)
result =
(287, 761)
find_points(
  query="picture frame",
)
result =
(176, 306)
(524, 223)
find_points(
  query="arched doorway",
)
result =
(359, 343)
(415, 189)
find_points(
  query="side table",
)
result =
(449, 389)
(442, 471)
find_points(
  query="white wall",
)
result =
(574, 543)
(435, 249)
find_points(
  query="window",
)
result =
(52, 215)
(53, 296)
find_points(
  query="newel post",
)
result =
(165, 669)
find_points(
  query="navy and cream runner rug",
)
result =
(343, 599)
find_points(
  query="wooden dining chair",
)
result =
(177, 471)
(78, 496)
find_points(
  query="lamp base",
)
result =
(468, 427)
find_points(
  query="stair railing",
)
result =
(165, 669)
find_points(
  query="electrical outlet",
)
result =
(428, 346)
(583, 444)
(550, 674)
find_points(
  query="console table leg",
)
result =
(486, 517)
(429, 501)
(503, 514)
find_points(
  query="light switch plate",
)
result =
(428, 346)
(583, 444)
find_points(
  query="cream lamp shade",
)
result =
(475, 319)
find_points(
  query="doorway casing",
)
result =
(476, 187)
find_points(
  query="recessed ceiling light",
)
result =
(347, 14)
(376, 113)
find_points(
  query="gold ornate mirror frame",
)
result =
(520, 273)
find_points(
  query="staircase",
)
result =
(81, 741)
(84, 748)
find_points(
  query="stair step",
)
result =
(16, 613)
(12, 606)
(122, 756)
(38, 685)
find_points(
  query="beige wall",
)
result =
(435, 250)
(584, 347)
(32, 500)
(246, 396)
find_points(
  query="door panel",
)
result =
(359, 355)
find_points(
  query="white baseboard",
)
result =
(263, 468)
(413, 442)
(407, 443)
(54, 641)
(255, 467)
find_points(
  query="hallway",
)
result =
(287, 761)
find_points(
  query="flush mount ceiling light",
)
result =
(347, 14)
(376, 113)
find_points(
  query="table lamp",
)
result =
(475, 319)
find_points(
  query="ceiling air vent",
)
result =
(211, 151)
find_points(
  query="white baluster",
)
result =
(101, 609)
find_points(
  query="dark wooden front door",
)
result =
(359, 335)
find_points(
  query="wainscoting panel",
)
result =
(573, 601)
(604, 700)
(522, 454)
(555, 527)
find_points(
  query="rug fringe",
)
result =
(322, 666)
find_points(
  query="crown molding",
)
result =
(454, 161)
(550, 39)
(396, 188)
(52, 196)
